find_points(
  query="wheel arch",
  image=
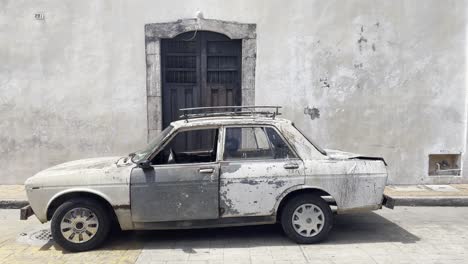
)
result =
(66, 195)
(298, 190)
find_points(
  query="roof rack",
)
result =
(199, 112)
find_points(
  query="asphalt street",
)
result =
(403, 235)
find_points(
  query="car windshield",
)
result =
(138, 155)
(311, 141)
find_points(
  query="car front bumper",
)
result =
(26, 212)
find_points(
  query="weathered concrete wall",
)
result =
(388, 77)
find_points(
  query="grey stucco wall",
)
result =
(388, 77)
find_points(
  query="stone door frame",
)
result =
(156, 31)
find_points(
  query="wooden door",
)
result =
(199, 69)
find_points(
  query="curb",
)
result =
(13, 204)
(431, 201)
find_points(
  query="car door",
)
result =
(257, 166)
(183, 181)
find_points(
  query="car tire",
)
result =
(88, 221)
(307, 219)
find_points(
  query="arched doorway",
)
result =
(199, 68)
(156, 33)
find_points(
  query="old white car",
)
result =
(240, 166)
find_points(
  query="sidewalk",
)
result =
(429, 195)
(14, 196)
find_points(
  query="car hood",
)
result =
(85, 164)
(342, 155)
(76, 171)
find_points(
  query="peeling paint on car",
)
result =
(263, 184)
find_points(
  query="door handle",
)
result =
(209, 170)
(291, 166)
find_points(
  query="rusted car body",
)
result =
(227, 185)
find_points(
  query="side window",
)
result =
(192, 146)
(281, 149)
(254, 143)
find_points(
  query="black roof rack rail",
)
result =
(250, 110)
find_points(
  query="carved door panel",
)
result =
(199, 69)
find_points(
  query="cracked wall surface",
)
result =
(374, 77)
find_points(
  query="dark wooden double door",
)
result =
(199, 69)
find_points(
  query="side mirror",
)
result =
(144, 164)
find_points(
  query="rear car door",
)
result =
(183, 181)
(257, 166)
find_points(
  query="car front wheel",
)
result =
(80, 224)
(307, 219)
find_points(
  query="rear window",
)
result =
(311, 141)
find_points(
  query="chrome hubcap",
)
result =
(79, 225)
(308, 220)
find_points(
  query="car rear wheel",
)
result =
(307, 219)
(80, 224)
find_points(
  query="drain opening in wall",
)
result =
(444, 164)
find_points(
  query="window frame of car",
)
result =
(276, 129)
(183, 129)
